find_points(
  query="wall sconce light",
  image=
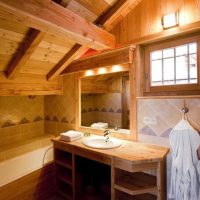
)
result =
(171, 20)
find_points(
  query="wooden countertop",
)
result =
(130, 151)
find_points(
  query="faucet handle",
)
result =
(107, 132)
(116, 128)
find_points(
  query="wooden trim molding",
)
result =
(54, 19)
(113, 57)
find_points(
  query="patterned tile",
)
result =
(119, 111)
(166, 133)
(47, 118)
(96, 109)
(103, 110)
(90, 110)
(146, 130)
(64, 120)
(8, 123)
(83, 110)
(38, 118)
(111, 110)
(24, 121)
(72, 121)
(55, 119)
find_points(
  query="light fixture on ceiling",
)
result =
(171, 20)
(89, 73)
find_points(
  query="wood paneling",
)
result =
(145, 19)
(56, 20)
(36, 185)
(29, 84)
(97, 8)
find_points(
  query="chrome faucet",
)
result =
(107, 134)
(116, 128)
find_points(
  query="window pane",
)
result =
(193, 68)
(181, 69)
(156, 55)
(193, 48)
(168, 69)
(168, 53)
(181, 50)
(156, 72)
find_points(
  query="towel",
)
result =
(185, 169)
(70, 136)
(99, 125)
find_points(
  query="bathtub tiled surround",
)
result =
(157, 117)
(59, 111)
(20, 118)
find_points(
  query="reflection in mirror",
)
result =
(105, 101)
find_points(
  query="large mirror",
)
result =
(105, 102)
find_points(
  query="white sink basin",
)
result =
(99, 142)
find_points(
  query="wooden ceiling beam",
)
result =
(67, 59)
(32, 41)
(114, 57)
(108, 18)
(116, 13)
(54, 19)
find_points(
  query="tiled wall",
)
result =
(157, 117)
(59, 111)
(20, 118)
(101, 108)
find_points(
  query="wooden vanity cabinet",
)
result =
(139, 175)
(136, 181)
(64, 165)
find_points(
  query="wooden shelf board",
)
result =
(64, 164)
(66, 179)
(146, 196)
(66, 196)
(136, 183)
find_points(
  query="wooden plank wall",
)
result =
(38, 185)
(145, 19)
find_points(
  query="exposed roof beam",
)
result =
(114, 57)
(116, 13)
(54, 19)
(108, 20)
(22, 55)
(66, 60)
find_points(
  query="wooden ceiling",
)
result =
(40, 38)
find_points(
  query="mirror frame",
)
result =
(133, 102)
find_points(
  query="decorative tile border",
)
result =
(24, 120)
(146, 130)
(109, 110)
(56, 119)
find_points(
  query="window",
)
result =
(172, 65)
